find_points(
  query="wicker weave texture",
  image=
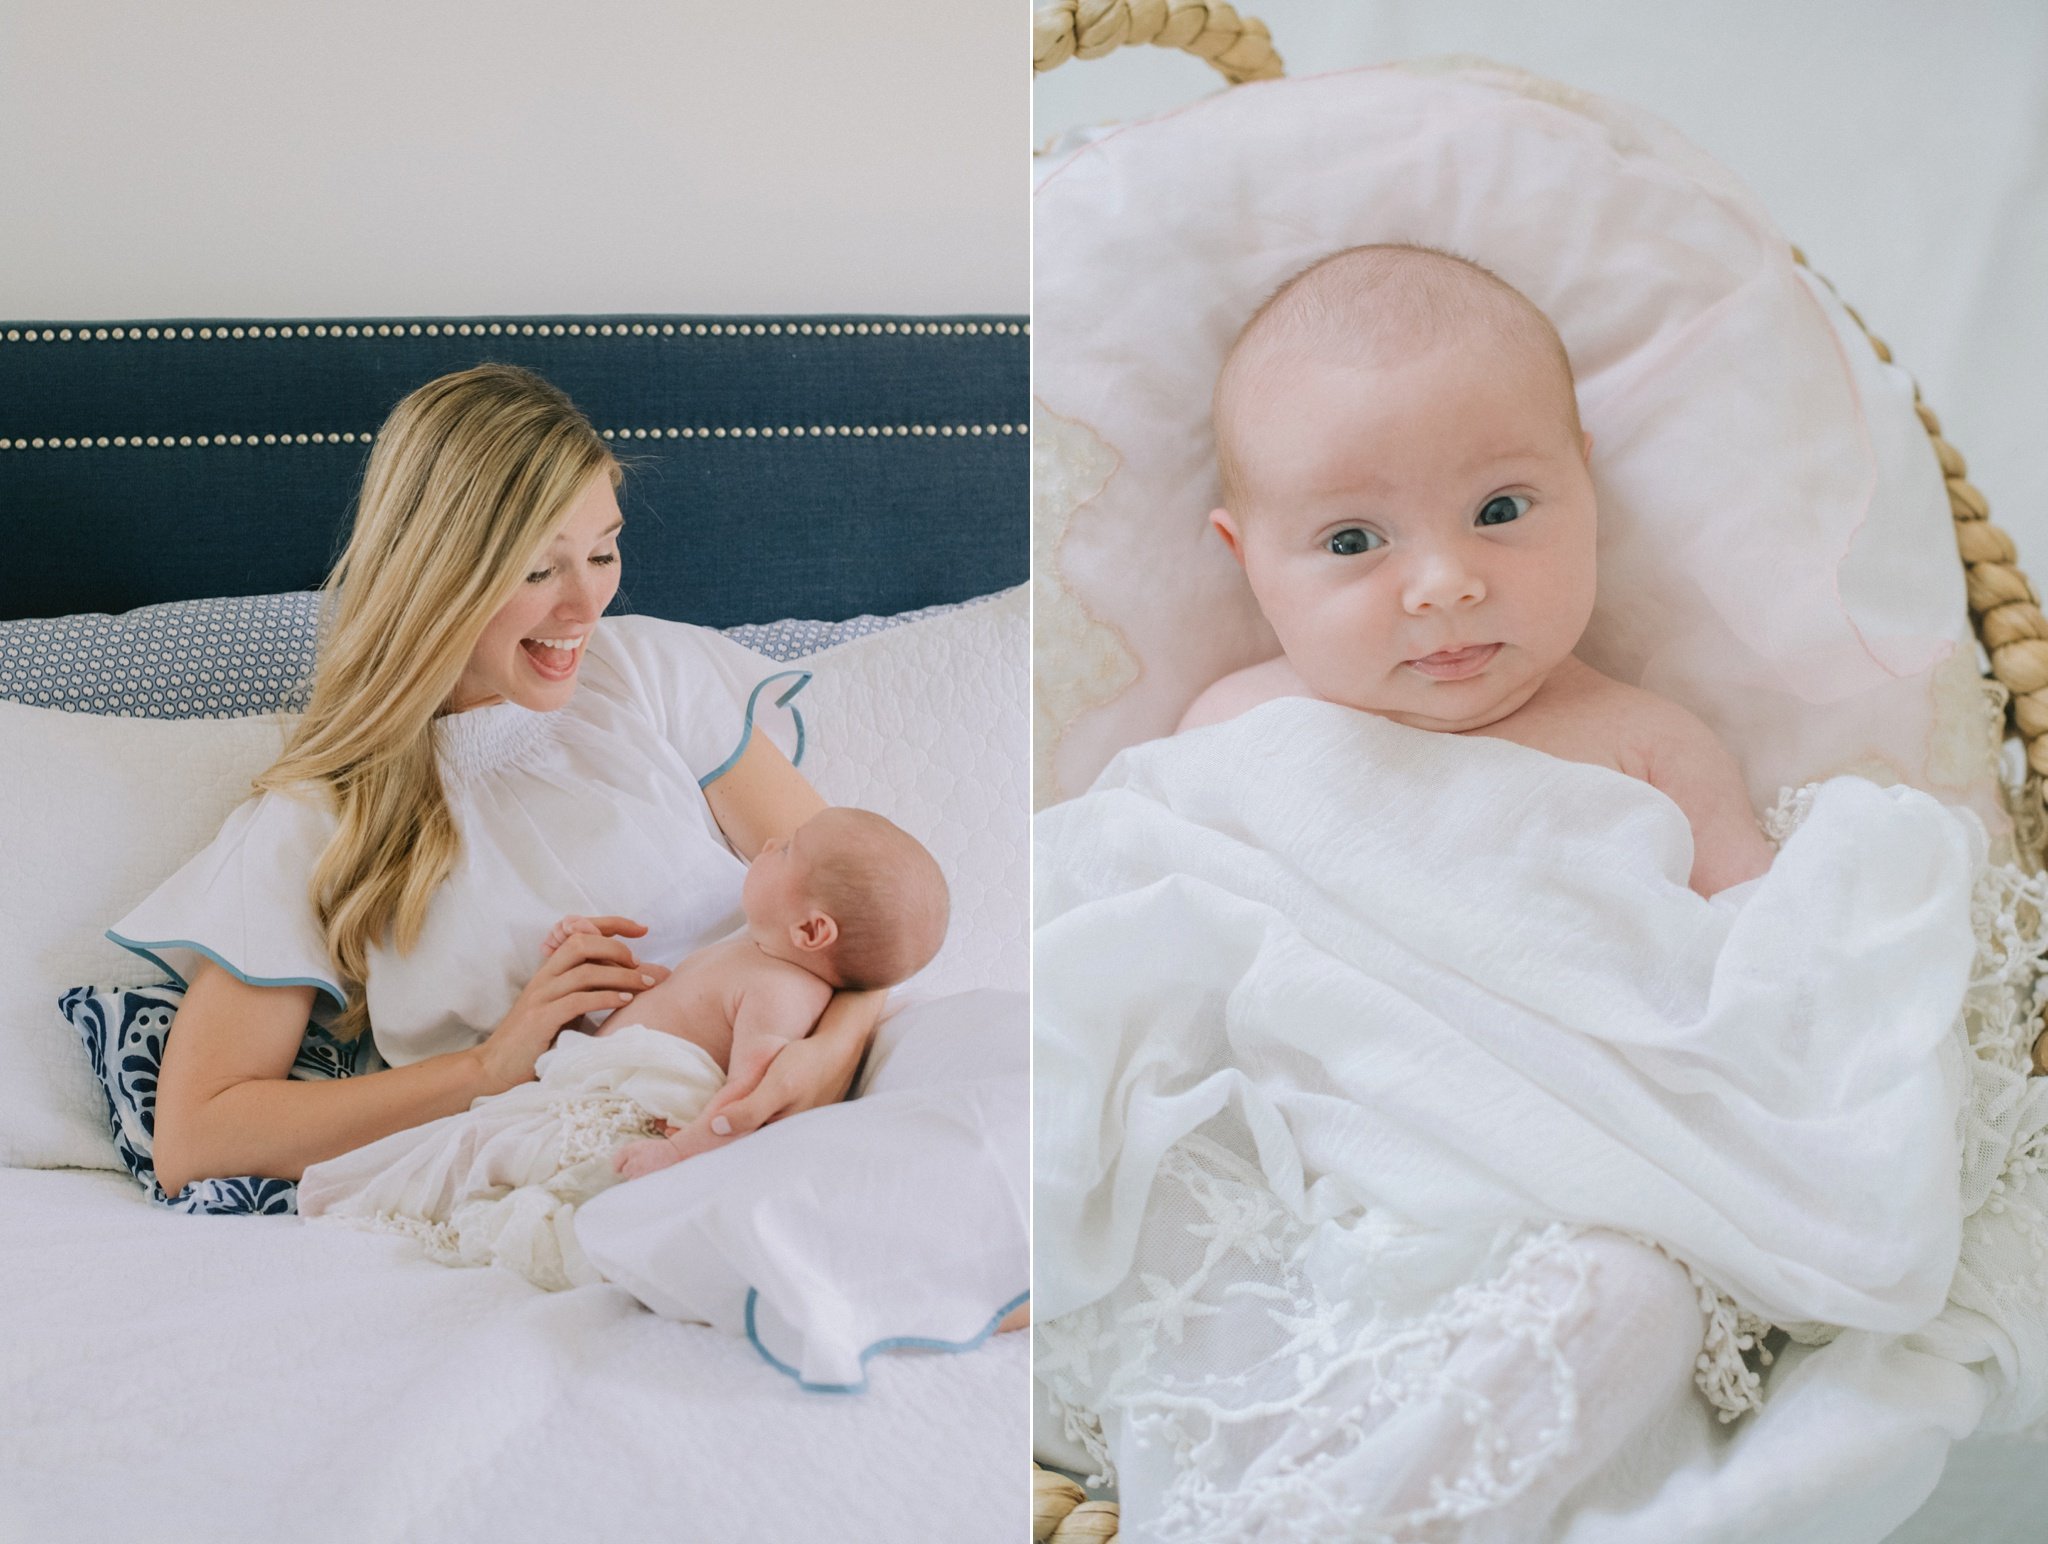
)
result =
(1238, 46)
(1061, 1512)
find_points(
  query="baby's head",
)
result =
(852, 897)
(1405, 482)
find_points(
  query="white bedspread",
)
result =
(1434, 988)
(173, 1377)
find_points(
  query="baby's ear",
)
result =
(1227, 529)
(816, 931)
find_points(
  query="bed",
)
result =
(851, 484)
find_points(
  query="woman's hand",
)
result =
(816, 1070)
(587, 972)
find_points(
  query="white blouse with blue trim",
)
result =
(597, 808)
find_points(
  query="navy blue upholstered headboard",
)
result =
(816, 466)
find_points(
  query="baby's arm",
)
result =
(782, 1006)
(771, 1014)
(1687, 760)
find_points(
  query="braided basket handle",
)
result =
(2003, 605)
(1238, 46)
(1061, 1512)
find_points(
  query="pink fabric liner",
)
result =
(1833, 495)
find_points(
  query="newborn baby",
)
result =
(1405, 483)
(1371, 1002)
(850, 900)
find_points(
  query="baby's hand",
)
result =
(697, 1137)
(638, 1158)
(562, 931)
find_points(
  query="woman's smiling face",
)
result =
(571, 581)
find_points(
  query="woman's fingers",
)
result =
(624, 978)
(585, 1002)
(625, 925)
(802, 1076)
(749, 1112)
(743, 1081)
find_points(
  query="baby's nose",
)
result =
(1440, 581)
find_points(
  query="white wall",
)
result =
(1902, 144)
(212, 158)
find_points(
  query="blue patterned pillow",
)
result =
(792, 639)
(245, 654)
(124, 1029)
(185, 659)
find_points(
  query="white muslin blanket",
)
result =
(1344, 1029)
(1467, 981)
(499, 1184)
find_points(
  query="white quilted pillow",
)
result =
(898, 1219)
(1776, 550)
(925, 723)
(96, 811)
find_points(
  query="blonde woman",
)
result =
(483, 752)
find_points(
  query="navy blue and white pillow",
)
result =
(223, 658)
(124, 1030)
(793, 639)
(246, 654)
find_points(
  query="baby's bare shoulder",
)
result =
(782, 984)
(1241, 691)
(1640, 727)
(1662, 732)
(1675, 750)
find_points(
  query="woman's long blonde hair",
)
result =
(468, 479)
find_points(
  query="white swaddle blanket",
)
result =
(1430, 993)
(499, 1184)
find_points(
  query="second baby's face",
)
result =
(1419, 533)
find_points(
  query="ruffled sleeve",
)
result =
(242, 902)
(706, 695)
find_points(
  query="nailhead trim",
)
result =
(692, 432)
(125, 334)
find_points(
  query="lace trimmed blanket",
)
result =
(500, 1183)
(1346, 1032)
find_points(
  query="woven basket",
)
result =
(2004, 609)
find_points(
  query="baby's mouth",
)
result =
(1455, 664)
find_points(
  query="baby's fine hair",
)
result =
(885, 892)
(1368, 304)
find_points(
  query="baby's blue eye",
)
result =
(1502, 508)
(1354, 539)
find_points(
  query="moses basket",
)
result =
(2004, 611)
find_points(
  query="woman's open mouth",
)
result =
(1455, 664)
(553, 659)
